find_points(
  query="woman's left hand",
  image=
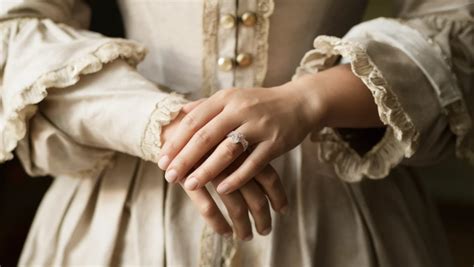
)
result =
(273, 121)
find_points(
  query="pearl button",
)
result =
(228, 21)
(249, 19)
(244, 60)
(225, 64)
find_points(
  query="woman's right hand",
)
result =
(254, 197)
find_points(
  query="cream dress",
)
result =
(74, 105)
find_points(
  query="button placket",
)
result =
(248, 19)
(240, 28)
(226, 44)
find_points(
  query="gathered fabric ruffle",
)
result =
(166, 110)
(401, 137)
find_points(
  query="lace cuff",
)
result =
(400, 139)
(19, 106)
(433, 44)
(166, 110)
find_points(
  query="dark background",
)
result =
(451, 183)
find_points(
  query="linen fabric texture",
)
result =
(89, 110)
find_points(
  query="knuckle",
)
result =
(208, 210)
(233, 90)
(260, 205)
(266, 121)
(202, 137)
(227, 92)
(181, 163)
(205, 174)
(222, 94)
(246, 105)
(241, 180)
(231, 150)
(273, 181)
(189, 121)
(253, 164)
(240, 212)
(171, 146)
(244, 233)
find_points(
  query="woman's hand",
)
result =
(273, 120)
(253, 197)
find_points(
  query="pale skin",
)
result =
(274, 120)
(252, 197)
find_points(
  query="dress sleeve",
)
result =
(419, 69)
(70, 98)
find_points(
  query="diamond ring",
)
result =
(236, 138)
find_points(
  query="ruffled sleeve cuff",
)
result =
(166, 110)
(401, 137)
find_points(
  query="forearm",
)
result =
(337, 98)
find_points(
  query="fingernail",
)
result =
(228, 235)
(267, 231)
(191, 183)
(164, 162)
(171, 176)
(248, 238)
(223, 188)
(284, 210)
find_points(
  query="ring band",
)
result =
(236, 138)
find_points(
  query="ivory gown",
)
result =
(74, 106)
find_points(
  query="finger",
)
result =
(188, 107)
(209, 211)
(271, 184)
(201, 142)
(254, 163)
(238, 213)
(225, 153)
(190, 124)
(258, 205)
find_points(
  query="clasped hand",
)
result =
(196, 152)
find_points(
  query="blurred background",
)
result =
(451, 183)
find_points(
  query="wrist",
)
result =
(337, 98)
(310, 103)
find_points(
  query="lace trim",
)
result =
(401, 137)
(166, 110)
(264, 10)
(229, 248)
(208, 248)
(212, 245)
(210, 46)
(210, 24)
(23, 104)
